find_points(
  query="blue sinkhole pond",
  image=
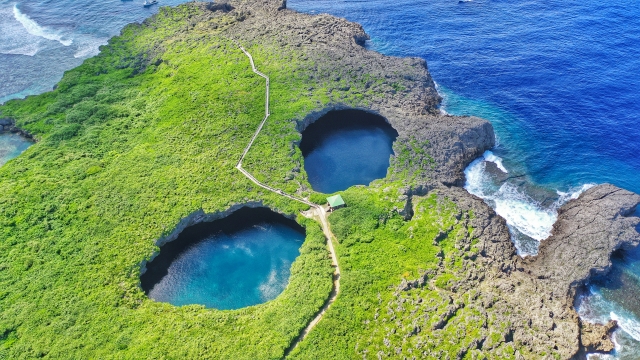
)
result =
(241, 260)
(12, 145)
(345, 148)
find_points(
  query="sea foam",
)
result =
(520, 210)
(14, 39)
(594, 308)
(516, 207)
(88, 46)
(34, 28)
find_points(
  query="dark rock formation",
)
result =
(8, 125)
(587, 231)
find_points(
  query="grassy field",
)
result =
(130, 145)
(403, 289)
(144, 135)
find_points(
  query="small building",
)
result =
(335, 202)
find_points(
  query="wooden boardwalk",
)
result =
(316, 212)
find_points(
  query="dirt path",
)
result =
(319, 214)
(316, 212)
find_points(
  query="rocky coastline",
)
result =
(535, 294)
(8, 126)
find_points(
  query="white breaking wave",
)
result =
(524, 213)
(594, 308)
(628, 325)
(21, 35)
(443, 103)
(89, 47)
(519, 210)
(33, 28)
(28, 50)
(14, 39)
(490, 157)
(564, 197)
(600, 357)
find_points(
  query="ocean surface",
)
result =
(559, 81)
(12, 145)
(39, 40)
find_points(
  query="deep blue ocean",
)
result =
(559, 80)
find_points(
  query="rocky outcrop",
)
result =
(8, 125)
(588, 230)
(596, 337)
(534, 296)
(527, 305)
(399, 89)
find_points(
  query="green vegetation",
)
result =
(147, 133)
(413, 162)
(131, 142)
(401, 289)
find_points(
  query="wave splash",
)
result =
(594, 308)
(89, 46)
(35, 29)
(529, 220)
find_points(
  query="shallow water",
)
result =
(346, 148)
(231, 263)
(39, 40)
(610, 299)
(12, 145)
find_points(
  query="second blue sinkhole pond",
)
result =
(345, 148)
(241, 260)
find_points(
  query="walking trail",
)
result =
(316, 212)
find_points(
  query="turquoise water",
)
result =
(232, 263)
(12, 145)
(609, 298)
(346, 148)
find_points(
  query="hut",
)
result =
(335, 202)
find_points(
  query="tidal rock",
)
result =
(530, 301)
(588, 230)
(597, 337)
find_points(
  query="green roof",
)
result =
(335, 201)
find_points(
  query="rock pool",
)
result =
(234, 262)
(345, 148)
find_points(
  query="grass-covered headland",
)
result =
(147, 133)
(128, 146)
